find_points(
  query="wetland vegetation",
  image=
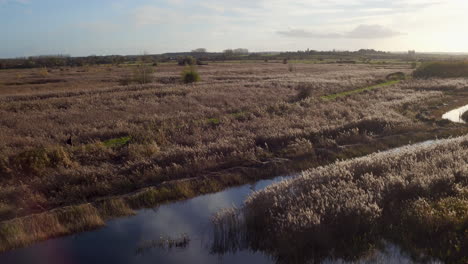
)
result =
(415, 197)
(78, 146)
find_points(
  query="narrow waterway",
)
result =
(455, 114)
(120, 241)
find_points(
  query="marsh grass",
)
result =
(171, 139)
(416, 197)
(23, 231)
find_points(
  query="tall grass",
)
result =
(417, 197)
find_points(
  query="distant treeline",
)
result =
(58, 61)
(362, 55)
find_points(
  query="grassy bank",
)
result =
(416, 197)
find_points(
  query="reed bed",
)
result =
(124, 138)
(416, 197)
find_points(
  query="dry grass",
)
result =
(129, 137)
(23, 231)
(416, 196)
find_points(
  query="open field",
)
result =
(416, 197)
(241, 115)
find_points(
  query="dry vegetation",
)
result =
(126, 137)
(417, 197)
(443, 69)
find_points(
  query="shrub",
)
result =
(442, 69)
(143, 74)
(285, 61)
(186, 60)
(43, 72)
(190, 75)
(304, 91)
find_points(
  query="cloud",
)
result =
(360, 32)
(372, 31)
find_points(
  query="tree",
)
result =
(241, 51)
(228, 52)
(199, 50)
(186, 60)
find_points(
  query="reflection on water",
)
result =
(455, 115)
(120, 240)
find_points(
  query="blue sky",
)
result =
(85, 27)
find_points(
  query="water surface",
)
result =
(455, 114)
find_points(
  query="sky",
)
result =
(105, 27)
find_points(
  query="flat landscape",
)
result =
(81, 145)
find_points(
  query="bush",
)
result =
(142, 74)
(304, 91)
(187, 60)
(190, 75)
(442, 69)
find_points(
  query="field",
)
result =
(77, 136)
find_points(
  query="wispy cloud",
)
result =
(360, 32)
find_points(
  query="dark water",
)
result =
(119, 240)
